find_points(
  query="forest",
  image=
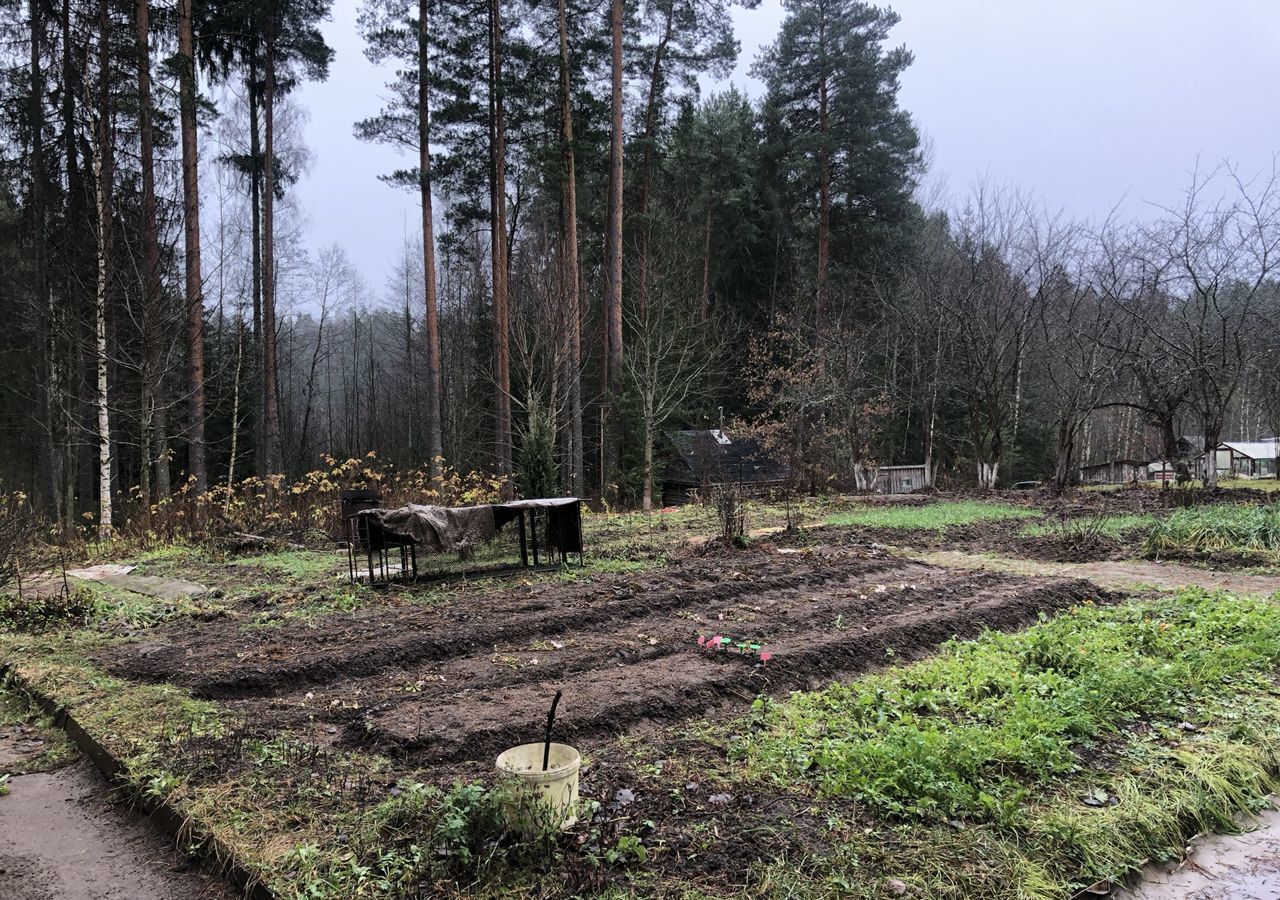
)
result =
(605, 253)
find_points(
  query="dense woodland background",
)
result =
(604, 255)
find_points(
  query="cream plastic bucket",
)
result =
(552, 796)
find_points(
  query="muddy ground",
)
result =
(452, 684)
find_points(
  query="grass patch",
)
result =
(603, 565)
(166, 560)
(301, 565)
(92, 604)
(933, 516)
(1259, 484)
(1071, 751)
(1220, 528)
(1256, 484)
(311, 609)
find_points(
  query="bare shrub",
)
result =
(22, 532)
(731, 512)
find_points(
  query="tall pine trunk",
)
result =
(498, 230)
(160, 442)
(705, 312)
(270, 416)
(73, 211)
(435, 386)
(569, 276)
(646, 164)
(44, 304)
(194, 286)
(824, 182)
(153, 352)
(647, 501)
(197, 462)
(103, 175)
(255, 238)
(235, 412)
(612, 376)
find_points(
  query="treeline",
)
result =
(602, 255)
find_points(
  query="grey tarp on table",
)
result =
(563, 521)
(444, 529)
(437, 529)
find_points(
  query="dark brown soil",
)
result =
(454, 684)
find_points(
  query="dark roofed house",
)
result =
(701, 459)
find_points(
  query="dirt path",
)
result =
(1120, 575)
(61, 839)
(1220, 867)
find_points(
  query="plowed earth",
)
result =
(452, 684)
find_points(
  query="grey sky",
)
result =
(1083, 102)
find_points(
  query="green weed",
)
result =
(1028, 766)
(301, 565)
(962, 734)
(36, 613)
(933, 516)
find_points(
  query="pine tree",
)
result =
(394, 29)
(611, 368)
(280, 39)
(834, 89)
(690, 38)
(197, 449)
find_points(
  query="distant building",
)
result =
(901, 479)
(1231, 459)
(702, 459)
(1116, 471)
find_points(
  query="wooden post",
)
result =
(533, 529)
(524, 547)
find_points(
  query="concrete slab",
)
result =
(1220, 867)
(150, 585)
(61, 840)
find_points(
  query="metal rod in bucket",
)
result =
(551, 718)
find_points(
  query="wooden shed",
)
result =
(699, 460)
(901, 479)
(1115, 471)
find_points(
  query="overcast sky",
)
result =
(1086, 103)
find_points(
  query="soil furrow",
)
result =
(270, 663)
(610, 699)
